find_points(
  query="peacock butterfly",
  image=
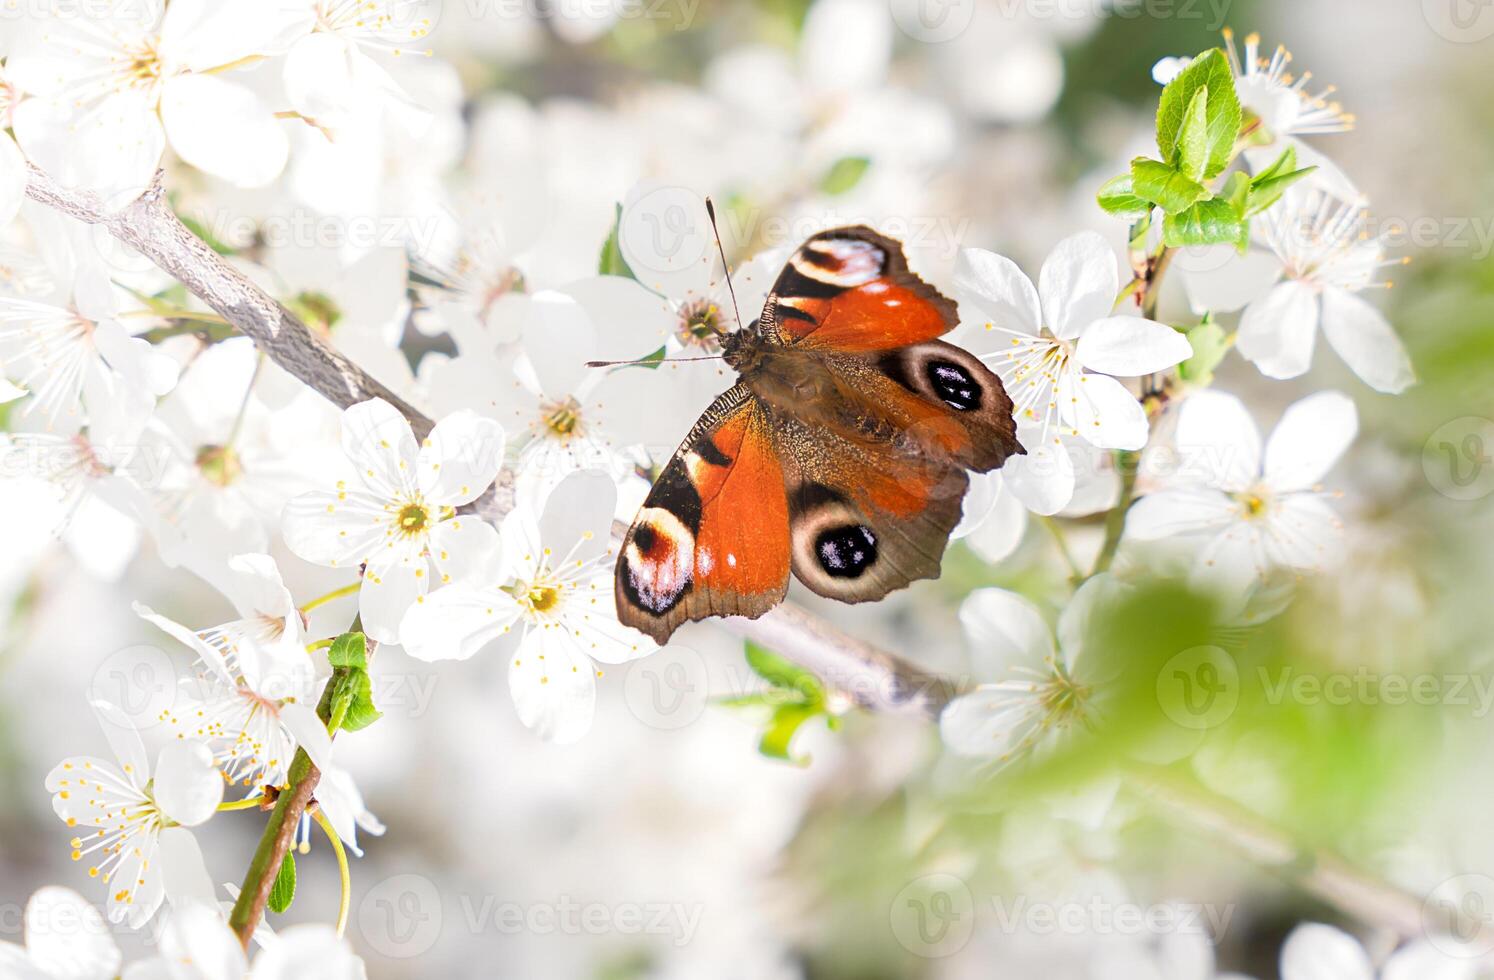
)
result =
(840, 454)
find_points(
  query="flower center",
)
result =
(701, 324)
(220, 465)
(542, 598)
(562, 419)
(1253, 504)
(412, 519)
(142, 66)
(1062, 699)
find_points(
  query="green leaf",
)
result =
(1118, 198)
(201, 231)
(1210, 345)
(612, 262)
(1283, 164)
(349, 650)
(1266, 193)
(1193, 139)
(1205, 223)
(283, 891)
(844, 174)
(361, 711)
(1209, 71)
(781, 673)
(1236, 191)
(787, 720)
(1164, 186)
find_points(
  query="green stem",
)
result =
(1126, 463)
(346, 899)
(322, 600)
(1075, 574)
(252, 803)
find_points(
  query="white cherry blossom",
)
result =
(197, 944)
(399, 517)
(65, 939)
(1314, 951)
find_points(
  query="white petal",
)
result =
(998, 292)
(1078, 284)
(1232, 563)
(578, 514)
(631, 321)
(1218, 442)
(377, 438)
(460, 459)
(1129, 346)
(343, 805)
(1183, 511)
(1277, 332)
(1001, 532)
(1005, 631)
(184, 873)
(111, 147)
(466, 548)
(301, 945)
(16, 965)
(257, 586)
(1303, 532)
(139, 877)
(206, 34)
(336, 529)
(124, 740)
(556, 337)
(1073, 622)
(664, 234)
(188, 786)
(309, 731)
(210, 655)
(392, 583)
(13, 177)
(1043, 480)
(1421, 960)
(1319, 952)
(1102, 411)
(1311, 436)
(1218, 278)
(986, 723)
(553, 685)
(1366, 341)
(67, 938)
(456, 621)
(197, 935)
(223, 129)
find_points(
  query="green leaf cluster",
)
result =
(794, 697)
(352, 689)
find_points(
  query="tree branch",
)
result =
(872, 678)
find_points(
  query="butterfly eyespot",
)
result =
(846, 551)
(953, 384)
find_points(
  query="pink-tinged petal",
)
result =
(1102, 411)
(188, 786)
(553, 685)
(1043, 480)
(466, 549)
(455, 622)
(1277, 332)
(1078, 284)
(460, 459)
(1367, 342)
(993, 291)
(339, 529)
(1005, 632)
(66, 938)
(223, 129)
(1218, 443)
(1311, 436)
(1303, 532)
(1184, 511)
(1319, 952)
(378, 440)
(1128, 346)
(395, 580)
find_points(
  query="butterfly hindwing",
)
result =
(712, 538)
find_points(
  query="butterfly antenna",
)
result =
(652, 360)
(725, 269)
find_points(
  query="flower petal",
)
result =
(223, 129)
(188, 786)
(1130, 346)
(632, 322)
(555, 337)
(1304, 532)
(466, 548)
(197, 935)
(1078, 284)
(1005, 631)
(1319, 952)
(184, 873)
(460, 459)
(553, 685)
(1422, 960)
(1043, 480)
(309, 731)
(111, 147)
(124, 740)
(300, 945)
(377, 438)
(392, 583)
(1102, 411)
(1002, 529)
(13, 177)
(986, 723)
(67, 938)
(1182, 511)
(457, 621)
(335, 529)
(1311, 436)
(577, 520)
(1218, 443)
(1366, 341)
(992, 288)
(1277, 332)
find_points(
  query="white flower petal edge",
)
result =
(66, 937)
(1319, 952)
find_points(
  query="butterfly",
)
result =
(840, 454)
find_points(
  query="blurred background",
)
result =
(665, 844)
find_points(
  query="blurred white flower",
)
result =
(554, 581)
(1180, 954)
(65, 939)
(115, 86)
(197, 944)
(1319, 952)
(404, 518)
(138, 844)
(1254, 512)
(1056, 357)
(1326, 256)
(994, 520)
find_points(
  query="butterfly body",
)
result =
(840, 455)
